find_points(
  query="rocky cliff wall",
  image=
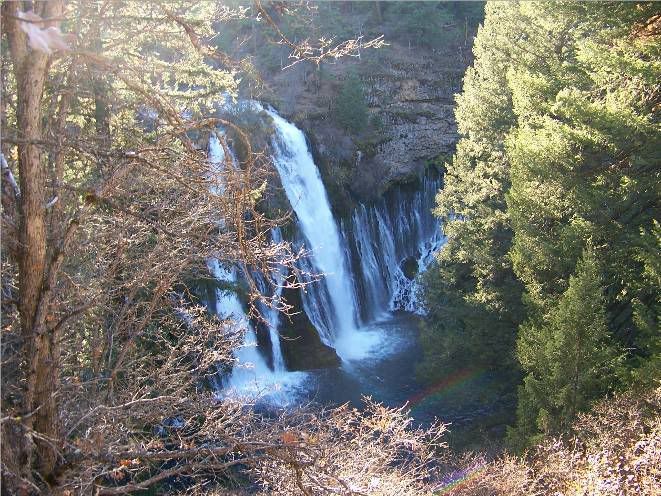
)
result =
(409, 93)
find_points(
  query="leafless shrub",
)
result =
(615, 450)
(346, 451)
(338, 451)
(109, 217)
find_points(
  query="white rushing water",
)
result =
(382, 237)
(250, 374)
(333, 309)
(271, 314)
(368, 264)
(250, 364)
(250, 369)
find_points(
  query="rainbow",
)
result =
(450, 383)
(459, 479)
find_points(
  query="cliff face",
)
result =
(409, 93)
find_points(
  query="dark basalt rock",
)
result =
(302, 348)
(410, 267)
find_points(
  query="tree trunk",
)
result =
(40, 350)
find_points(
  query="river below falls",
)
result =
(383, 367)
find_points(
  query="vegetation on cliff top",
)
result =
(323, 99)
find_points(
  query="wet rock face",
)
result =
(410, 267)
(302, 348)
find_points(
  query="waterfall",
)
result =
(368, 263)
(250, 365)
(331, 303)
(250, 368)
(383, 238)
(270, 314)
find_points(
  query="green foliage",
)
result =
(554, 191)
(377, 123)
(461, 331)
(332, 22)
(582, 176)
(429, 24)
(569, 354)
(350, 109)
(472, 294)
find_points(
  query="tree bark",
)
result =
(40, 351)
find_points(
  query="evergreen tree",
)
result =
(472, 295)
(582, 175)
(428, 24)
(554, 186)
(350, 105)
(568, 354)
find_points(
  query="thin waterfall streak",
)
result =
(250, 364)
(273, 315)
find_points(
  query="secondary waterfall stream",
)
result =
(384, 238)
(251, 372)
(272, 315)
(369, 264)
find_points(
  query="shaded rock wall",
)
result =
(302, 348)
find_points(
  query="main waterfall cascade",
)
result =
(368, 262)
(307, 196)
